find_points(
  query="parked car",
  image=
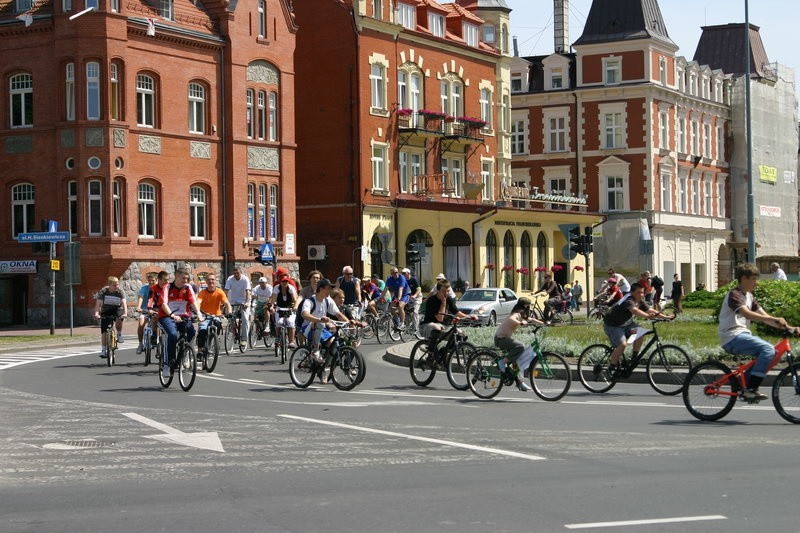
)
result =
(489, 305)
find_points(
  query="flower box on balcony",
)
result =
(472, 122)
(432, 115)
(405, 112)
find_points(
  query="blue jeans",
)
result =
(171, 328)
(746, 343)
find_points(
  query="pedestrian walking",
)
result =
(677, 293)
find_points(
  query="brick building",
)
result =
(639, 131)
(404, 141)
(159, 134)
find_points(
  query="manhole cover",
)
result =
(78, 444)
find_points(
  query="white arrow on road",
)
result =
(206, 440)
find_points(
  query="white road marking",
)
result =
(11, 360)
(253, 380)
(205, 440)
(594, 525)
(496, 451)
(324, 404)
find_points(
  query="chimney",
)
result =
(516, 46)
(561, 25)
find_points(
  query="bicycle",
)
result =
(712, 388)
(557, 316)
(233, 331)
(110, 338)
(345, 365)
(210, 352)
(549, 372)
(282, 338)
(451, 357)
(257, 332)
(667, 365)
(185, 362)
(410, 325)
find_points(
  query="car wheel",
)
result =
(492, 319)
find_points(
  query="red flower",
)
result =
(540, 269)
(489, 266)
(556, 268)
(405, 112)
(523, 270)
(507, 268)
(578, 268)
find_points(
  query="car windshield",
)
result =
(477, 295)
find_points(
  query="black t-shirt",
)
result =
(432, 305)
(621, 314)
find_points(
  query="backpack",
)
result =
(656, 282)
(298, 319)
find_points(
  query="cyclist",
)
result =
(553, 295)
(622, 283)
(515, 350)
(212, 300)
(437, 307)
(397, 288)
(311, 289)
(619, 324)
(315, 316)
(110, 307)
(371, 293)
(262, 294)
(143, 304)
(612, 294)
(739, 308)
(238, 288)
(175, 300)
(285, 297)
(350, 285)
(441, 277)
(415, 298)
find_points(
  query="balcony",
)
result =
(430, 185)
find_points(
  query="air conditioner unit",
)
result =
(316, 252)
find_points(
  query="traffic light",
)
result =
(576, 240)
(588, 247)
(412, 256)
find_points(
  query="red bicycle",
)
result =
(712, 388)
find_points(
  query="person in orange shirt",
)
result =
(212, 300)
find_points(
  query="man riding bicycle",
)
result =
(437, 308)
(212, 301)
(397, 288)
(262, 294)
(284, 296)
(143, 303)
(238, 288)
(515, 350)
(315, 317)
(175, 300)
(553, 296)
(110, 308)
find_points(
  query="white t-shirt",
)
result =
(321, 309)
(731, 322)
(262, 295)
(237, 289)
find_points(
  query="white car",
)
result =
(489, 305)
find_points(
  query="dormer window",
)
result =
(662, 71)
(516, 83)
(488, 33)
(612, 70)
(406, 15)
(436, 24)
(471, 35)
(557, 79)
(167, 9)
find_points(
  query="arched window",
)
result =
(509, 259)
(541, 254)
(197, 108)
(262, 19)
(147, 211)
(21, 94)
(376, 251)
(262, 114)
(250, 113)
(525, 260)
(491, 259)
(115, 91)
(23, 208)
(69, 91)
(117, 196)
(93, 90)
(457, 257)
(422, 239)
(145, 101)
(197, 212)
(273, 212)
(95, 207)
(273, 116)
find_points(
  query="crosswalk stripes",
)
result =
(9, 360)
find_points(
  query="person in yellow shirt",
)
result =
(212, 300)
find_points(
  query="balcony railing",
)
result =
(433, 184)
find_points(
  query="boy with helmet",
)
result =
(515, 350)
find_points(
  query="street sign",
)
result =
(567, 253)
(55, 264)
(52, 226)
(267, 252)
(44, 236)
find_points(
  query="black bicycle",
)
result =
(209, 355)
(233, 335)
(667, 365)
(185, 362)
(450, 353)
(282, 336)
(344, 365)
(260, 329)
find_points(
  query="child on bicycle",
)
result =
(515, 350)
(739, 308)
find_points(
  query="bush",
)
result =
(779, 298)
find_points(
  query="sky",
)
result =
(779, 20)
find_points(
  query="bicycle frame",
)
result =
(739, 373)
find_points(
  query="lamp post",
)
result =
(751, 237)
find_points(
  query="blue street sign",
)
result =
(52, 226)
(44, 236)
(267, 253)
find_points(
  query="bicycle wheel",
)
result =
(242, 341)
(457, 365)
(484, 377)
(550, 376)
(148, 347)
(252, 334)
(670, 311)
(710, 391)
(667, 368)
(212, 350)
(595, 315)
(395, 333)
(187, 367)
(165, 382)
(109, 348)
(368, 332)
(301, 368)
(422, 364)
(593, 368)
(229, 338)
(347, 368)
(382, 327)
(566, 317)
(786, 394)
(267, 338)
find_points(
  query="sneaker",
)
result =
(120, 338)
(243, 343)
(750, 394)
(292, 345)
(103, 354)
(317, 356)
(524, 387)
(139, 349)
(165, 372)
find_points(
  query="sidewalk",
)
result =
(81, 336)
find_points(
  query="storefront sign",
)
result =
(18, 267)
(517, 223)
(289, 244)
(767, 174)
(770, 211)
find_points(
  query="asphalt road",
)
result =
(84, 447)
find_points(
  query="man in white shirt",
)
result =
(262, 293)
(238, 288)
(777, 271)
(316, 313)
